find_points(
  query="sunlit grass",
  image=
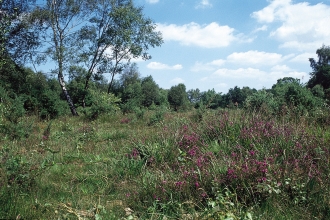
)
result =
(183, 165)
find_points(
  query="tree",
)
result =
(17, 40)
(194, 95)
(150, 91)
(286, 81)
(177, 96)
(261, 101)
(280, 88)
(290, 92)
(236, 96)
(130, 75)
(61, 20)
(117, 32)
(321, 68)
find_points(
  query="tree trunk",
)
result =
(67, 96)
(110, 84)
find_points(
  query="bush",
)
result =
(139, 113)
(301, 99)
(261, 101)
(102, 103)
(157, 117)
(51, 106)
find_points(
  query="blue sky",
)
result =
(221, 44)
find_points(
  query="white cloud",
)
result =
(257, 75)
(204, 4)
(161, 66)
(281, 68)
(208, 36)
(303, 58)
(275, 75)
(221, 85)
(239, 73)
(177, 80)
(199, 66)
(249, 58)
(253, 57)
(152, 1)
(302, 26)
(137, 60)
(262, 28)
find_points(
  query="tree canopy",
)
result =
(321, 68)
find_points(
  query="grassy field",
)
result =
(224, 164)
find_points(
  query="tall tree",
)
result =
(194, 95)
(130, 75)
(17, 40)
(117, 32)
(150, 91)
(62, 18)
(321, 68)
(177, 96)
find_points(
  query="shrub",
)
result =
(102, 103)
(261, 101)
(157, 117)
(51, 106)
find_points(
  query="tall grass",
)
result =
(227, 164)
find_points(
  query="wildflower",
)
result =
(192, 152)
(204, 194)
(179, 183)
(231, 174)
(252, 152)
(125, 121)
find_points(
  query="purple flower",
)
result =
(252, 152)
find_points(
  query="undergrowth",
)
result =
(223, 164)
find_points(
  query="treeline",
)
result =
(39, 94)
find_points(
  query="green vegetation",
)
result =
(138, 151)
(231, 163)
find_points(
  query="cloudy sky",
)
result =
(221, 44)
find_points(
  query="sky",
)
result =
(220, 44)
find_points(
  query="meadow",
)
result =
(215, 164)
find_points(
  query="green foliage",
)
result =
(262, 101)
(321, 68)
(139, 113)
(51, 105)
(163, 100)
(318, 91)
(194, 95)
(12, 123)
(130, 75)
(118, 25)
(13, 109)
(210, 99)
(150, 91)
(231, 164)
(157, 117)
(177, 97)
(289, 92)
(16, 38)
(130, 106)
(102, 103)
(132, 93)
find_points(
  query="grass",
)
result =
(221, 165)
